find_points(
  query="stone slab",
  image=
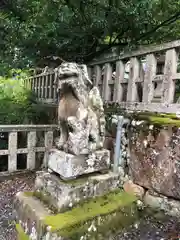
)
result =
(159, 202)
(99, 218)
(69, 166)
(30, 214)
(65, 194)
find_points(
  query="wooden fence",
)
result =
(145, 89)
(44, 86)
(31, 148)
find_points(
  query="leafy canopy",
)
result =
(32, 30)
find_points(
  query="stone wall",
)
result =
(155, 157)
(151, 152)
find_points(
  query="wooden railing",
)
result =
(44, 86)
(144, 89)
(31, 149)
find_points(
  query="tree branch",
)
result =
(166, 22)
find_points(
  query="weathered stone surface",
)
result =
(155, 154)
(30, 214)
(135, 189)
(159, 202)
(69, 166)
(80, 112)
(100, 218)
(65, 194)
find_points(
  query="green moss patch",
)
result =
(164, 121)
(21, 233)
(106, 225)
(159, 119)
(151, 117)
(99, 206)
(29, 194)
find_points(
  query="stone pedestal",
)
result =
(62, 195)
(99, 218)
(69, 166)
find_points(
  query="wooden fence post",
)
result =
(133, 77)
(89, 72)
(118, 89)
(107, 78)
(168, 86)
(35, 85)
(55, 84)
(50, 86)
(48, 142)
(39, 87)
(31, 156)
(12, 146)
(46, 86)
(43, 88)
(150, 73)
(98, 75)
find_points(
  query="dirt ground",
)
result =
(147, 228)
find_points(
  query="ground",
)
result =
(148, 228)
(8, 188)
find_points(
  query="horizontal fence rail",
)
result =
(31, 138)
(31, 148)
(135, 80)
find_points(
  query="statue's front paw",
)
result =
(65, 147)
(59, 144)
(102, 134)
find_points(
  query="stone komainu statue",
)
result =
(80, 111)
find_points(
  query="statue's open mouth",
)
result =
(67, 75)
(65, 72)
(66, 88)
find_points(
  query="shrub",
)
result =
(18, 104)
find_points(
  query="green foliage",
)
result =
(18, 105)
(79, 30)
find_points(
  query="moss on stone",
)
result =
(100, 206)
(29, 194)
(121, 220)
(21, 233)
(153, 117)
(106, 225)
(164, 121)
(155, 114)
(159, 119)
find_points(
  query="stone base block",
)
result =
(159, 202)
(69, 166)
(62, 195)
(99, 218)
